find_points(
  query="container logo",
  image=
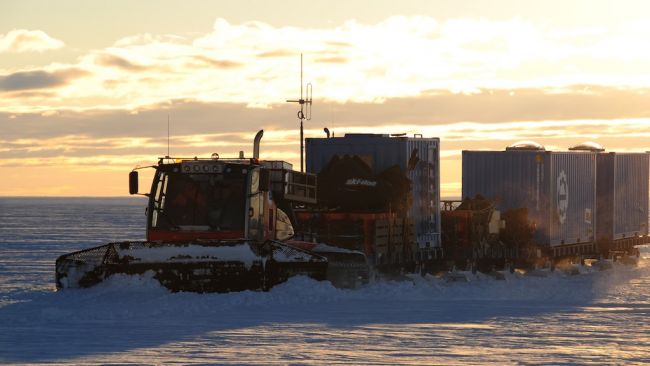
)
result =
(355, 182)
(562, 196)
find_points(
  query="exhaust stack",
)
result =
(256, 144)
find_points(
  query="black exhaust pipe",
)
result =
(256, 144)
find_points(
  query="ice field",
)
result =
(591, 318)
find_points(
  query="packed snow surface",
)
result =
(595, 317)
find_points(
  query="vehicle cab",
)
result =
(212, 199)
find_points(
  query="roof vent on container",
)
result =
(526, 146)
(588, 146)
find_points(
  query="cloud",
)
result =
(499, 105)
(117, 140)
(489, 120)
(483, 111)
(119, 62)
(352, 62)
(222, 64)
(29, 94)
(277, 53)
(38, 79)
(23, 40)
(332, 60)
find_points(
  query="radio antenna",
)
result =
(168, 135)
(304, 113)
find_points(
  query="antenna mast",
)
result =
(304, 113)
(168, 135)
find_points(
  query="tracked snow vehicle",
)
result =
(219, 225)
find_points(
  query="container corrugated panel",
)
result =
(378, 151)
(513, 179)
(573, 197)
(381, 152)
(557, 188)
(623, 195)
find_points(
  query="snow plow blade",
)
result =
(345, 268)
(222, 266)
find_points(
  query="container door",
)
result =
(573, 191)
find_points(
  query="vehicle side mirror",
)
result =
(133, 182)
(265, 180)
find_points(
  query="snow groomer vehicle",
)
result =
(218, 225)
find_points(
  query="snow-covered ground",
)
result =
(594, 317)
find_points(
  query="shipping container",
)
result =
(558, 189)
(418, 157)
(622, 195)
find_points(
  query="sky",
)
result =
(86, 87)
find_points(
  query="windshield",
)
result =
(199, 201)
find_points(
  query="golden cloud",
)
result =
(23, 40)
(353, 62)
(38, 79)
